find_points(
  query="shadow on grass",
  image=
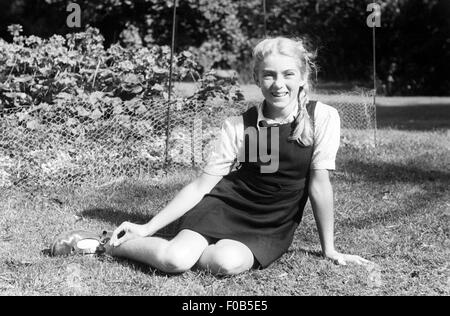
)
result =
(311, 253)
(433, 184)
(414, 117)
(384, 172)
(412, 205)
(140, 267)
(114, 216)
(144, 268)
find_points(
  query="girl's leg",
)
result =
(226, 257)
(171, 256)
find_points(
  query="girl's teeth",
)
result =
(279, 94)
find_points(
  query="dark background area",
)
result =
(413, 42)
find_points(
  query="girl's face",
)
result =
(280, 79)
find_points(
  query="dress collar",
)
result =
(290, 118)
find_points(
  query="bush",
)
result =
(71, 108)
(77, 68)
(412, 46)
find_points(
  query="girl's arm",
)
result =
(186, 199)
(321, 197)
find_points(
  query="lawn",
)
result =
(392, 207)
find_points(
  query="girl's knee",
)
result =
(183, 252)
(176, 260)
(225, 262)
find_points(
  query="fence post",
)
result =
(265, 17)
(172, 48)
(374, 82)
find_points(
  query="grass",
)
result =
(392, 207)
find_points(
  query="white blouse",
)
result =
(230, 143)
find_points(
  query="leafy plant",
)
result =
(71, 107)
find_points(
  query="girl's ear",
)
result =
(302, 84)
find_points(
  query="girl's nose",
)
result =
(278, 83)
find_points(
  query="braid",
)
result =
(302, 133)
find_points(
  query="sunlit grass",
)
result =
(392, 207)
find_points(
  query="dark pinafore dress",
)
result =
(261, 210)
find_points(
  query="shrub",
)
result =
(71, 108)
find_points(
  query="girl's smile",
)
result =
(280, 79)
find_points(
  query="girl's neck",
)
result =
(276, 114)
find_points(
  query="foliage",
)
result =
(78, 69)
(416, 49)
(60, 96)
(412, 43)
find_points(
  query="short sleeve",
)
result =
(223, 155)
(327, 131)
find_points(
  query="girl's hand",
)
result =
(344, 259)
(127, 231)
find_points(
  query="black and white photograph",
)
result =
(220, 154)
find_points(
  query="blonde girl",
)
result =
(234, 216)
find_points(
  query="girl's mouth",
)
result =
(279, 94)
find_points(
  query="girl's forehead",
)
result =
(279, 62)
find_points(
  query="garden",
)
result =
(105, 123)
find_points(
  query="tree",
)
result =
(412, 42)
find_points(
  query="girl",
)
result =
(236, 219)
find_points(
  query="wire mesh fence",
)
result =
(357, 112)
(58, 148)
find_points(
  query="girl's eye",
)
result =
(290, 74)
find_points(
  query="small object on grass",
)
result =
(79, 242)
(56, 201)
(415, 274)
(15, 263)
(6, 238)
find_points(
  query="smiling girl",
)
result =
(235, 219)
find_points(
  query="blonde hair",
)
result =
(302, 132)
